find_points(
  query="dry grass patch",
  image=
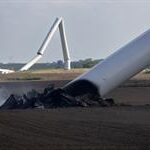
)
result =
(48, 74)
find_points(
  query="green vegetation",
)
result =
(86, 63)
(47, 71)
(146, 71)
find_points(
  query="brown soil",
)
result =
(76, 128)
(118, 127)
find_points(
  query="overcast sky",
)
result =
(94, 28)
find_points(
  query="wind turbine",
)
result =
(58, 23)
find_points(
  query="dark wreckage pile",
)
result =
(53, 98)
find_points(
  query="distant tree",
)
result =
(60, 64)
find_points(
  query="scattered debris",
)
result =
(52, 98)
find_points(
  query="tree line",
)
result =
(84, 63)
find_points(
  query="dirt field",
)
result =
(118, 127)
(76, 128)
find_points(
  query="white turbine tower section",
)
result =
(57, 24)
(31, 62)
(115, 69)
(64, 46)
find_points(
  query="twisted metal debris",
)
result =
(52, 98)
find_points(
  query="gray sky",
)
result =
(94, 28)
